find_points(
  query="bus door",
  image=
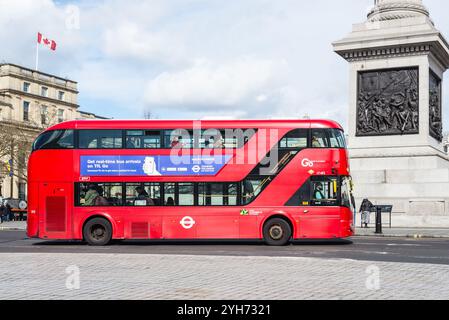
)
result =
(322, 218)
(55, 215)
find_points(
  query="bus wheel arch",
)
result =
(278, 230)
(97, 230)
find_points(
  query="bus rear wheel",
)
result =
(97, 232)
(277, 232)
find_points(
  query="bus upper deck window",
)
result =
(319, 139)
(328, 138)
(100, 139)
(143, 139)
(58, 139)
(296, 139)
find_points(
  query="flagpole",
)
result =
(37, 55)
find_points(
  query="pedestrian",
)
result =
(8, 213)
(2, 212)
(365, 210)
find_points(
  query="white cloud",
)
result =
(226, 84)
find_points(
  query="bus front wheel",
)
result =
(277, 232)
(97, 232)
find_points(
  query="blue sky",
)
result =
(195, 58)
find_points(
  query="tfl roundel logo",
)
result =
(196, 169)
(306, 163)
(187, 223)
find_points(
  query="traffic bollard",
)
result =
(378, 220)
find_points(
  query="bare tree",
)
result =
(16, 139)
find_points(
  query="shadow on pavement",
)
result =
(137, 243)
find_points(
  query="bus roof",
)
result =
(188, 124)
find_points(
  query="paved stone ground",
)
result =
(406, 232)
(13, 225)
(125, 276)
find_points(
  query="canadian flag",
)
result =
(45, 41)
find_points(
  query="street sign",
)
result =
(9, 168)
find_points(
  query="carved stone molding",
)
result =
(393, 10)
(388, 102)
(389, 52)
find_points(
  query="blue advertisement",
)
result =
(152, 165)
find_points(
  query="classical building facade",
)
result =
(397, 59)
(30, 101)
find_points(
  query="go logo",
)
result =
(306, 163)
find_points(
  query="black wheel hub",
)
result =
(98, 232)
(276, 232)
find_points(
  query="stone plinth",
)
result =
(397, 60)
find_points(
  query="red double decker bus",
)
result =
(272, 180)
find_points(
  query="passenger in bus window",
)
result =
(248, 191)
(130, 143)
(176, 142)
(316, 143)
(218, 144)
(170, 201)
(318, 193)
(143, 198)
(91, 195)
(100, 200)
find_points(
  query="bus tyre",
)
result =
(97, 232)
(277, 232)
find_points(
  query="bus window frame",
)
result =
(163, 137)
(328, 138)
(77, 139)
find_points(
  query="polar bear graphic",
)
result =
(149, 167)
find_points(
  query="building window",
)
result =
(26, 111)
(26, 87)
(22, 191)
(61, 95)
(44, 115)
(60, 115)
(44, 91)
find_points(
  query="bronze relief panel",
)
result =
(388, 102)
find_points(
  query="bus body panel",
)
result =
(55, 210)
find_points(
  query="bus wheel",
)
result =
(277, 232)
(97, 232)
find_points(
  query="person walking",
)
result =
(2, 213)
(8, 213)
(365, 210)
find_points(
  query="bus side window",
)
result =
(169, 194)
(100, 139)
(252, 187)
(58, 139)
(100, 194)
(320, 139)
(324, 191)
(296, 139)
(186, 194)
(143, 139)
